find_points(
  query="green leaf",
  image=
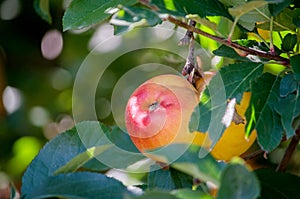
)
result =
(77, 185)
(69, 150)
(226, 51)
(289, 42)
(282, 21)
(296, 17)
(190, 194)
(181, 8)
(81, 159)
(276, 8)
(277, 185)
(288, 85)
(204, 168)
(288, 104)
(285, 108)
(238, 182)
(168, 179)
(83, 13)
(132, 17)
(261, 114)
(154, 194)
(236, 80)
(42, 8)
(295, 63)
(249, 13)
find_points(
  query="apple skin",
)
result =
(158, 112)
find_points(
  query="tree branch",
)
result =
(289, 151)
(246, 50)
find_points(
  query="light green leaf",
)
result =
(78, 161)
(83, 13)
(190, 194)
(240, 10)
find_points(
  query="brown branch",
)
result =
(289, 151)
(236, 46)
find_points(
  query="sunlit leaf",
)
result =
(190, 194)
(83, 13)
(202, 8)
(132, 17)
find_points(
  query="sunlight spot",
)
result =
(9, 9)
(52, 44)
(12, 99)
(39, 116)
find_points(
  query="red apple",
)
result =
(159, 110)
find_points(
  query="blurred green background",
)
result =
(39, 64)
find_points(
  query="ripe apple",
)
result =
(159, 110)
(158, 114)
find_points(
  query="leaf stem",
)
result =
(289, 152)
(262, 54)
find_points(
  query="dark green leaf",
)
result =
(288, 85)
(132, 17)
(277, 185)
(296, 17)
(226, 51)
(186, 159)
(181, 8)
(83, 13)
(276, 8)
(238, 182)
(42, 8)
(285, 108)
(295, 62)
(78, 185)
(168, 179)
(289, 42)
(261, 114)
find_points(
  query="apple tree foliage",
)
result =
(70, 164)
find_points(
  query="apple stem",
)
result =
(289, 152)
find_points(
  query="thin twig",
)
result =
(262, 54)
(253, 155)
(289, 152)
